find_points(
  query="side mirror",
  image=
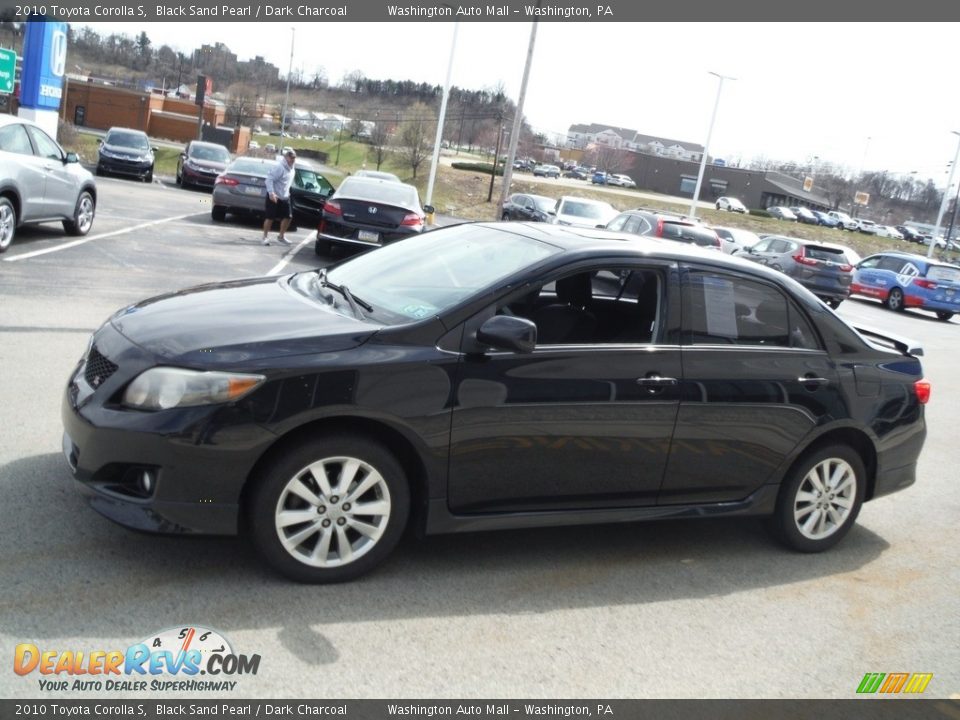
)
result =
(154, 148)
(429, 209)
(71, 157)
(504, 332)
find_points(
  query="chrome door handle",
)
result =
(817, 380)
(655, 381)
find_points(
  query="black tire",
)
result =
(943, 315)
(8, 224)
(806, 522)
(99, 171)
(148, 178)
(834, 303)
(506, 217)
(303, 555)
(322, 247)
(218, 213)
(894, 300)
(83, 215)
(179, 178)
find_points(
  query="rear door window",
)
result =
(728, 310)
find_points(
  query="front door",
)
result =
(586, 419)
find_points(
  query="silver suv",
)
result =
(39, 182)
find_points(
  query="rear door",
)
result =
(756, 382)
(60, 185)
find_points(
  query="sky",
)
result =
(858, 95)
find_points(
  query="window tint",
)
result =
(871, 262)
(893, 264)
(762, 246)
(45, 146)
(594, 307)
(13, 138)
(637, 225)
(618, 222)
(727, 310)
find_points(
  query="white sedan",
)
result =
(889, 232)
(731, 204)
(621, 180)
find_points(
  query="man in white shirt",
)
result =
(278, 183)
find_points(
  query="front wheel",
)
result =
(330, 509)
(8, 223)
(943, 315)
(148, 178)
(506, 217)
(894, 300)
(82, 215)
(820, 500)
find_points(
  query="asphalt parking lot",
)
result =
(680, 609)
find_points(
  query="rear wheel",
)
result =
(894, 300)
(321, 247)
(834, 303)
(218, 213)
(820, 500)
(944, 315)
(82, 215)
(329, 510)
(8, 223)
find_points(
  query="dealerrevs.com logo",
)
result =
(172, 660)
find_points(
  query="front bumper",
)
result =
(201, 178)
(120, 166)
(199, 457)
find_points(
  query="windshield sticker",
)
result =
(418, 311)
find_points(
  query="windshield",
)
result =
(389, 193)
(544, 204)
(249, 165)
(944, 273)
(136, 141)
(428, 274)
(215, 153)
(586, 210)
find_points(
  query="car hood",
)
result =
(126, 151)
(235, 322)
(207, 164)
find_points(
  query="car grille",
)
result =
(98, 368)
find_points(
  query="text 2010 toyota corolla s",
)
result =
(490, 376)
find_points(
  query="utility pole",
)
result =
(496, 157)
(286, 99)
(517, 118)
(443, 114)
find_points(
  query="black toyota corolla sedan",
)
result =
(490, 376)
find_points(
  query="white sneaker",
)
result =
(265, 241)
(282, 240)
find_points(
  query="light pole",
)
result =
(946, 199)
(706, 145)
(340, 135)
(286, 99)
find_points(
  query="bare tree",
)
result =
(609, 159)
(241, 104)
(415, 135)
(379, 137)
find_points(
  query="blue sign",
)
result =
(44, 62)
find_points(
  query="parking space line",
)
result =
(81, 241)
(289, 255)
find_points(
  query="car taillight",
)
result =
(333, 207)
(922, 389)
(659, 227)
(926, 284)
(224, 180)
(412, 220)
(716, 242)
(802, 258)
(846, 268)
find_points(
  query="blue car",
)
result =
(902, 280)
(827, 220)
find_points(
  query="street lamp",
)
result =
(340, 135)
(946, 199)
(286, 99)
(706, 145)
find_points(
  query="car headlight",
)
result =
(161, 388)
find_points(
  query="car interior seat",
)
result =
(569, 320)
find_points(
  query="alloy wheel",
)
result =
(825, 498)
